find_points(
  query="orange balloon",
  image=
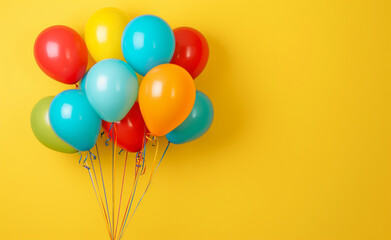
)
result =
(166, 97)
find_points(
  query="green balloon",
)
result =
(39, 120)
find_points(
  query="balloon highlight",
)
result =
(147, 41)
(166, 95)
(74, 120)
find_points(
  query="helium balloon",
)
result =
(166, 96)
(82, 83)
(61, 53)
(103, 33)
(196, 124)
(129, 133)
(74, 120)
(111, 88)
(191, 50)
(42, 130)
(147, 41)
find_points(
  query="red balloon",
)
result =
(191, 50)
(131, 130)
(61, 53)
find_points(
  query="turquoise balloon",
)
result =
(111, 88)
(74, 120)
(147, 41)
(196, 124)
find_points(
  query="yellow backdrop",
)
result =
(300, 145)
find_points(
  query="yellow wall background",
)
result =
(300, 145)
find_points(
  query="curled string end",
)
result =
(109, 138)
(139, 159)
(107, 141)
(85, 162)
(91, 154)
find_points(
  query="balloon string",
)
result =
(76, 85)
(122, 187)
(104, 188)
(84, 161)
(93, 185)
(131, 196)
(100, 195)
(155, 142)
(113, 170)
(146, 189)
(138, 155)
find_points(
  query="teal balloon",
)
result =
(74, 120)
(196, 124)
(111, 88)
(147, 41)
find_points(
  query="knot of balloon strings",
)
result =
(140, 162)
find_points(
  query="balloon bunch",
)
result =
(168, 103)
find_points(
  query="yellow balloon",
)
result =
(166, 97)
(103, 33)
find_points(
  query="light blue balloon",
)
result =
(196, 124)
(147, 41)
(82, 83)
(111, 88)
(74, 120)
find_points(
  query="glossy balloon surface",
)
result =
(74, 120)
(147, 41)
(40, 124)
(61, 53)
(103, 33)
(191, 50)
(196, 124)
(111, 87)
(130, 132)
(82, 83)
(166, 96)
